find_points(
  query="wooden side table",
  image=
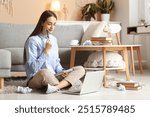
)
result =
(104, 49)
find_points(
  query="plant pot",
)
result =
(105, 17)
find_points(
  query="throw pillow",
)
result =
(113, 59)
(95, 29)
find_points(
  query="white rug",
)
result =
(11, 84)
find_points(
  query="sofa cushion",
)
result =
(4, 72)
(66, 33)
(20, 68)
(64, 54)
(5, 59)
(14, 35)
(16, 55)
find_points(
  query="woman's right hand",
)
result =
(47, 47)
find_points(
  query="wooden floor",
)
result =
(18, 74)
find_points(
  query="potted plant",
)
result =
(89, 11)
(105, 7)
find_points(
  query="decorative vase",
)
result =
(105, 17)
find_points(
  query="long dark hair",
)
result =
(44, 16)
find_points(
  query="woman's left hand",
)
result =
(64, 74)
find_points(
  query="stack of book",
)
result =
(130, 85)
(101, 40)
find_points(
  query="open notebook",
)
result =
(91, 83)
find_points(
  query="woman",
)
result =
(42, 60)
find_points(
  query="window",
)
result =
(144, 11)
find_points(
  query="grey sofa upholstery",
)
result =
(13, 37)
(5, 65)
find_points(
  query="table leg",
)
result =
(104, 64)
(1, 83)
(72, 58)
(132, 60)
(125, 56)
(139, 59)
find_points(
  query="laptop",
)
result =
(91, 83)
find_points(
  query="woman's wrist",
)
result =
(45, 51)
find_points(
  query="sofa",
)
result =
(13, 37)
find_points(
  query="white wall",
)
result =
(127, 12)
(133, 13)
(121, 13)
(28, 11)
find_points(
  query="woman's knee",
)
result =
(80, 69)
(48, 77)
(44, 72)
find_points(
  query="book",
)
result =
(134, 88)
(128, 84)
(101, 41)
